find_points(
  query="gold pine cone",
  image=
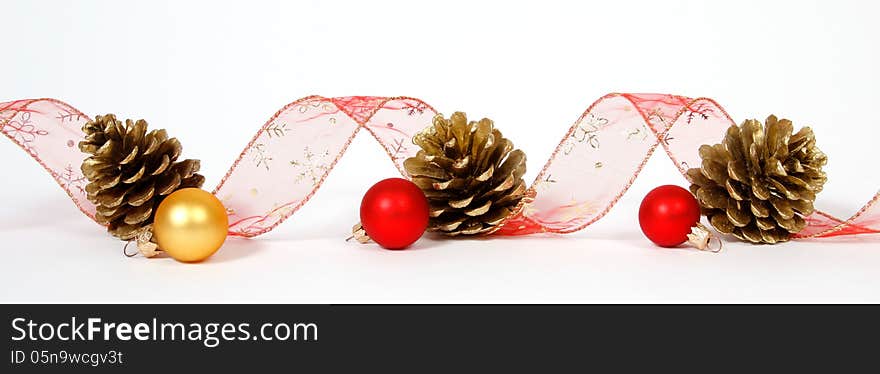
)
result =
(130, 171)
(761, 181)
(470, 174)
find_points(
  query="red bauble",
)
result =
(667, 215)
(394, 213)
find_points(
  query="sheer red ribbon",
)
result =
(290, 156)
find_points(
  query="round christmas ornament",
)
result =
(190, 225)
(394, 214)
(669, 216)
(760, 182)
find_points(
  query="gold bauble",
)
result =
(190, 225)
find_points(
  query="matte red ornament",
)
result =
(668, 214)
(394, 213)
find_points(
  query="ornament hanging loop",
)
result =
(125, 250)
(702, 239)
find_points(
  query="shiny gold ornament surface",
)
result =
(190, 225)
(130, 171)
(470, 174)
(761, 181)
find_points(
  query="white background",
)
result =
(213, 72)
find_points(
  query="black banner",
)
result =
(113, 338)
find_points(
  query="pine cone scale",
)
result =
(107, 150)
(721, 223)
(108, 181)
(766, 223)
(486, 175)
(759, 189)
(736, 190)
(110, 198)
(478, 211)
(93, 168)
(737, 215)
(136, 176)
(428, 146)
(461, 203)
(514, 196)
(195, 181)
(782, 208)
(804, 207)
(715, 171)
(449, 225)
(131, 155)
(141, 195)
(712, 197)
(495, 216)
(759, 208)
(127, 231)
(187, 168)
(138, 214)
(778, 137)
(421, 168)
(167, 184)
(482, 138)
(137, 131)
(436, 211)
(164, 163)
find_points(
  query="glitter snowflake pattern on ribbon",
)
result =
(290, 157)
